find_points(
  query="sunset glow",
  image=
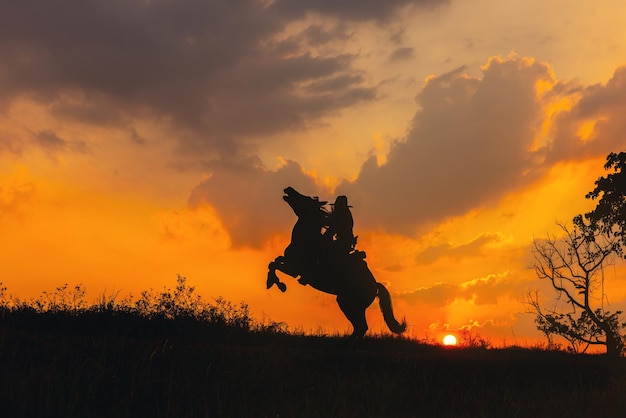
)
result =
(449, 340)
(156, 138)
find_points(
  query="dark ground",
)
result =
(111, 365)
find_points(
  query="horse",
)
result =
(310, 255)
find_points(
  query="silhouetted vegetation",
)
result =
(169, 353)
(178, 311)
(575, 267)
(609, 216)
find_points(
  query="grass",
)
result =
(177, 356)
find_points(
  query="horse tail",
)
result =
(384, 300)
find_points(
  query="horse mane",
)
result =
(321, 209)
(324, 214)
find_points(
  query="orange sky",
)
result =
(140, 140)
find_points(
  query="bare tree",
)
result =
(575, 266)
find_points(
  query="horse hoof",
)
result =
(282, 286)
(271, 280)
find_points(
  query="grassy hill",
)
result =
(174, 358)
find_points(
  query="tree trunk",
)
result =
(614, 346)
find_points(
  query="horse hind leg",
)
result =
(356, 316)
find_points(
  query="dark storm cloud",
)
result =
(214, 69)
(356, 10)
(319, 35)
(259, 97)
(90, 110)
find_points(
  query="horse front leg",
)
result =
(272, 278)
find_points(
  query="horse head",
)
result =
(305, 206)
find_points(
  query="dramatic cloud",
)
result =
(481, 291)
(469, 143)
(350, 9)
(472, 141)
(249, 201)
(595, 124)
(476, 139)
(472, 248)
(214, 70)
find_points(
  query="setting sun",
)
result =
(449, 340)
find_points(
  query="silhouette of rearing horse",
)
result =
(347, 276)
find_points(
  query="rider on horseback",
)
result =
(310, 252)
(340, 226)
(329, 263)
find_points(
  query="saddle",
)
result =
(327, 262)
